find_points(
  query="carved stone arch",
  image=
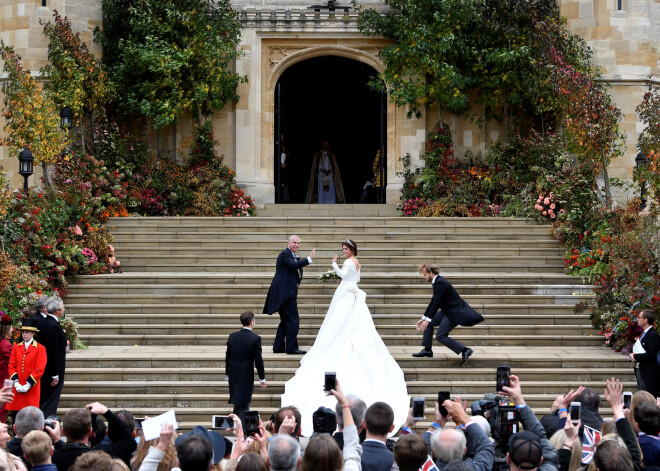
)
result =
(281, 58)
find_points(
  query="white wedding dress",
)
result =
(348, 344)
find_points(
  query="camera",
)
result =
(503, 419)
(50, 421)
(324, 420)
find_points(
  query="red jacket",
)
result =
(27, 366)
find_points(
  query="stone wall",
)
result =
(624, 35)
(625, 38)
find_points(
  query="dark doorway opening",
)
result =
(328, 98)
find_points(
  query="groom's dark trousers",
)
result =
(283, 298)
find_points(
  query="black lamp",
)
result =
(25, 168)
(66, 118)
(640, 162)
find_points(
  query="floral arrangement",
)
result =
(546, 205)
(412, 205)
(327, 276)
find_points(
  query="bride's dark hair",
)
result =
(351, 245)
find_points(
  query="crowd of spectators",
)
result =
(505, 436)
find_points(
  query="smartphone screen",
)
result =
(222, 421)
(442, 397)
(330, 381)
(251, 423)
(627, 397)
(575, 412)
(138, 422)
(502, 378)
(418, 408)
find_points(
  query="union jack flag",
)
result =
(429, 465)
(589, 441)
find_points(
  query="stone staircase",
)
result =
(157, 332)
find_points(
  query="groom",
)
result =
(283, 295)
(445, 311)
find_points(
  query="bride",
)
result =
(349, 345)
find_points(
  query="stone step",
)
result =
(306, 340)
(324, 245)
(325, 253)
(243, 299)
(267, 331)
(449, 377)
(350, 209)
(389, 309)
(368, 278)
(185, 356)
(157, 333)
(169, 264)
(261, 289)
(367, 235)
(230, 320)
(316, 223)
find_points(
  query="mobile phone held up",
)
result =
(330, 381)
(223, 422)
(627, 398)
(502, 377)
(418, 405)
(574, 412)
(442, 397)
(251, 423)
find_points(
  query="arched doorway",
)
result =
(328, 98)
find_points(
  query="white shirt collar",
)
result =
(434, 278)
(43, 315)
(54, 317)
(28, 343)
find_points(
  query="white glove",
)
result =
(26, 387)
(20, 389)
(16, 384)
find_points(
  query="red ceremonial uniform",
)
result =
(27, 366)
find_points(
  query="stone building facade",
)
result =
(301, 62)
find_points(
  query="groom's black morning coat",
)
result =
(447, 299)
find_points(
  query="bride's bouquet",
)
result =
(327, 276)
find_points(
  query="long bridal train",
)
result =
(348, 344)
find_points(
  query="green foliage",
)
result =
(75, 77)
(31, 118)
(515, 58)
(649, 140)
(171, 56)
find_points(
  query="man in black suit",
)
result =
(283, 296)
(445, 311)
(243, 354)
(647, 370)
(52, 337)
(379, 422)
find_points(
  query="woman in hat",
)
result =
(26, 365)
(5, 354)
